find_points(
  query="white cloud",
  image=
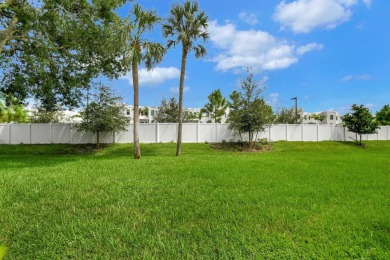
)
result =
(175, 90)
(257, 49)
(154, 77)
(356, 77)
(367, 3)
(309, 47)
(303, 16)
(249, 18)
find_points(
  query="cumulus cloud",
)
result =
(175, 90)
(303, 16)
(154, 77)
(356, 77)
(248, 18)
(257, 49)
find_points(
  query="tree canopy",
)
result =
(216, 106)
(249, 113)
(360, 121)
(104, 113)
(383, 115)
(51, 50)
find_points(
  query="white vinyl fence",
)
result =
(167, 132)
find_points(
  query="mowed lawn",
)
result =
(300, 200)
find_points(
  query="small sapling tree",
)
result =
(249, 113)
(360, 121)
(104, 113)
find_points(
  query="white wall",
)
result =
(167, 132)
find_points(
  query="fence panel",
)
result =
(338, 133)
(294, 133)
(147, 133)
(40, 133)
(208, 133)
(60, 133)
(190, 132)
(167, 132)
(5, 134)
(20, 133)
(125, 137)
(382, 133)
(309, 132)
(278, 132)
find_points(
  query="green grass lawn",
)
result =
(300, 200)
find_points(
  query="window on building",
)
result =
(152, 112)
(337, 118)
(128, 112)
(331, 117)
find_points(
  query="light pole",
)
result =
(296, 109)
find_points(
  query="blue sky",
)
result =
(328, 53)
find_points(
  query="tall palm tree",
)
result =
(137, 50)
(186, 24)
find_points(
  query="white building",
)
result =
(329, 117)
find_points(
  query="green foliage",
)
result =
(43, 116)
(383, 115)
(249, 113)
(15, 113)
(287, 116)
(360, 121)
(319, 117)
(168, 112)
(216, 106)
(104, 113)
(51, 50)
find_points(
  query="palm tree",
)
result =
(137, 50)
(185, 25)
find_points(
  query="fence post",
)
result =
(345, 134)
(51, 133)
(198, 132)
(302, 133)
(157, 132)
(388, 132)
(286, 132)
(30, 134)
(10, 135)
(318, 132)
(216, 131)
(70, 134)
(269, 133)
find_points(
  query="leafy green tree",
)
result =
(249, 113)
(287, 116)
(185, 25)
(51, 50)
(139, 50)
(360, 121)
(383, 115)
(103, 113)
(216, 106)
(168, 112)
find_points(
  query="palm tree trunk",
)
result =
(137, 149)
(181, 89)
